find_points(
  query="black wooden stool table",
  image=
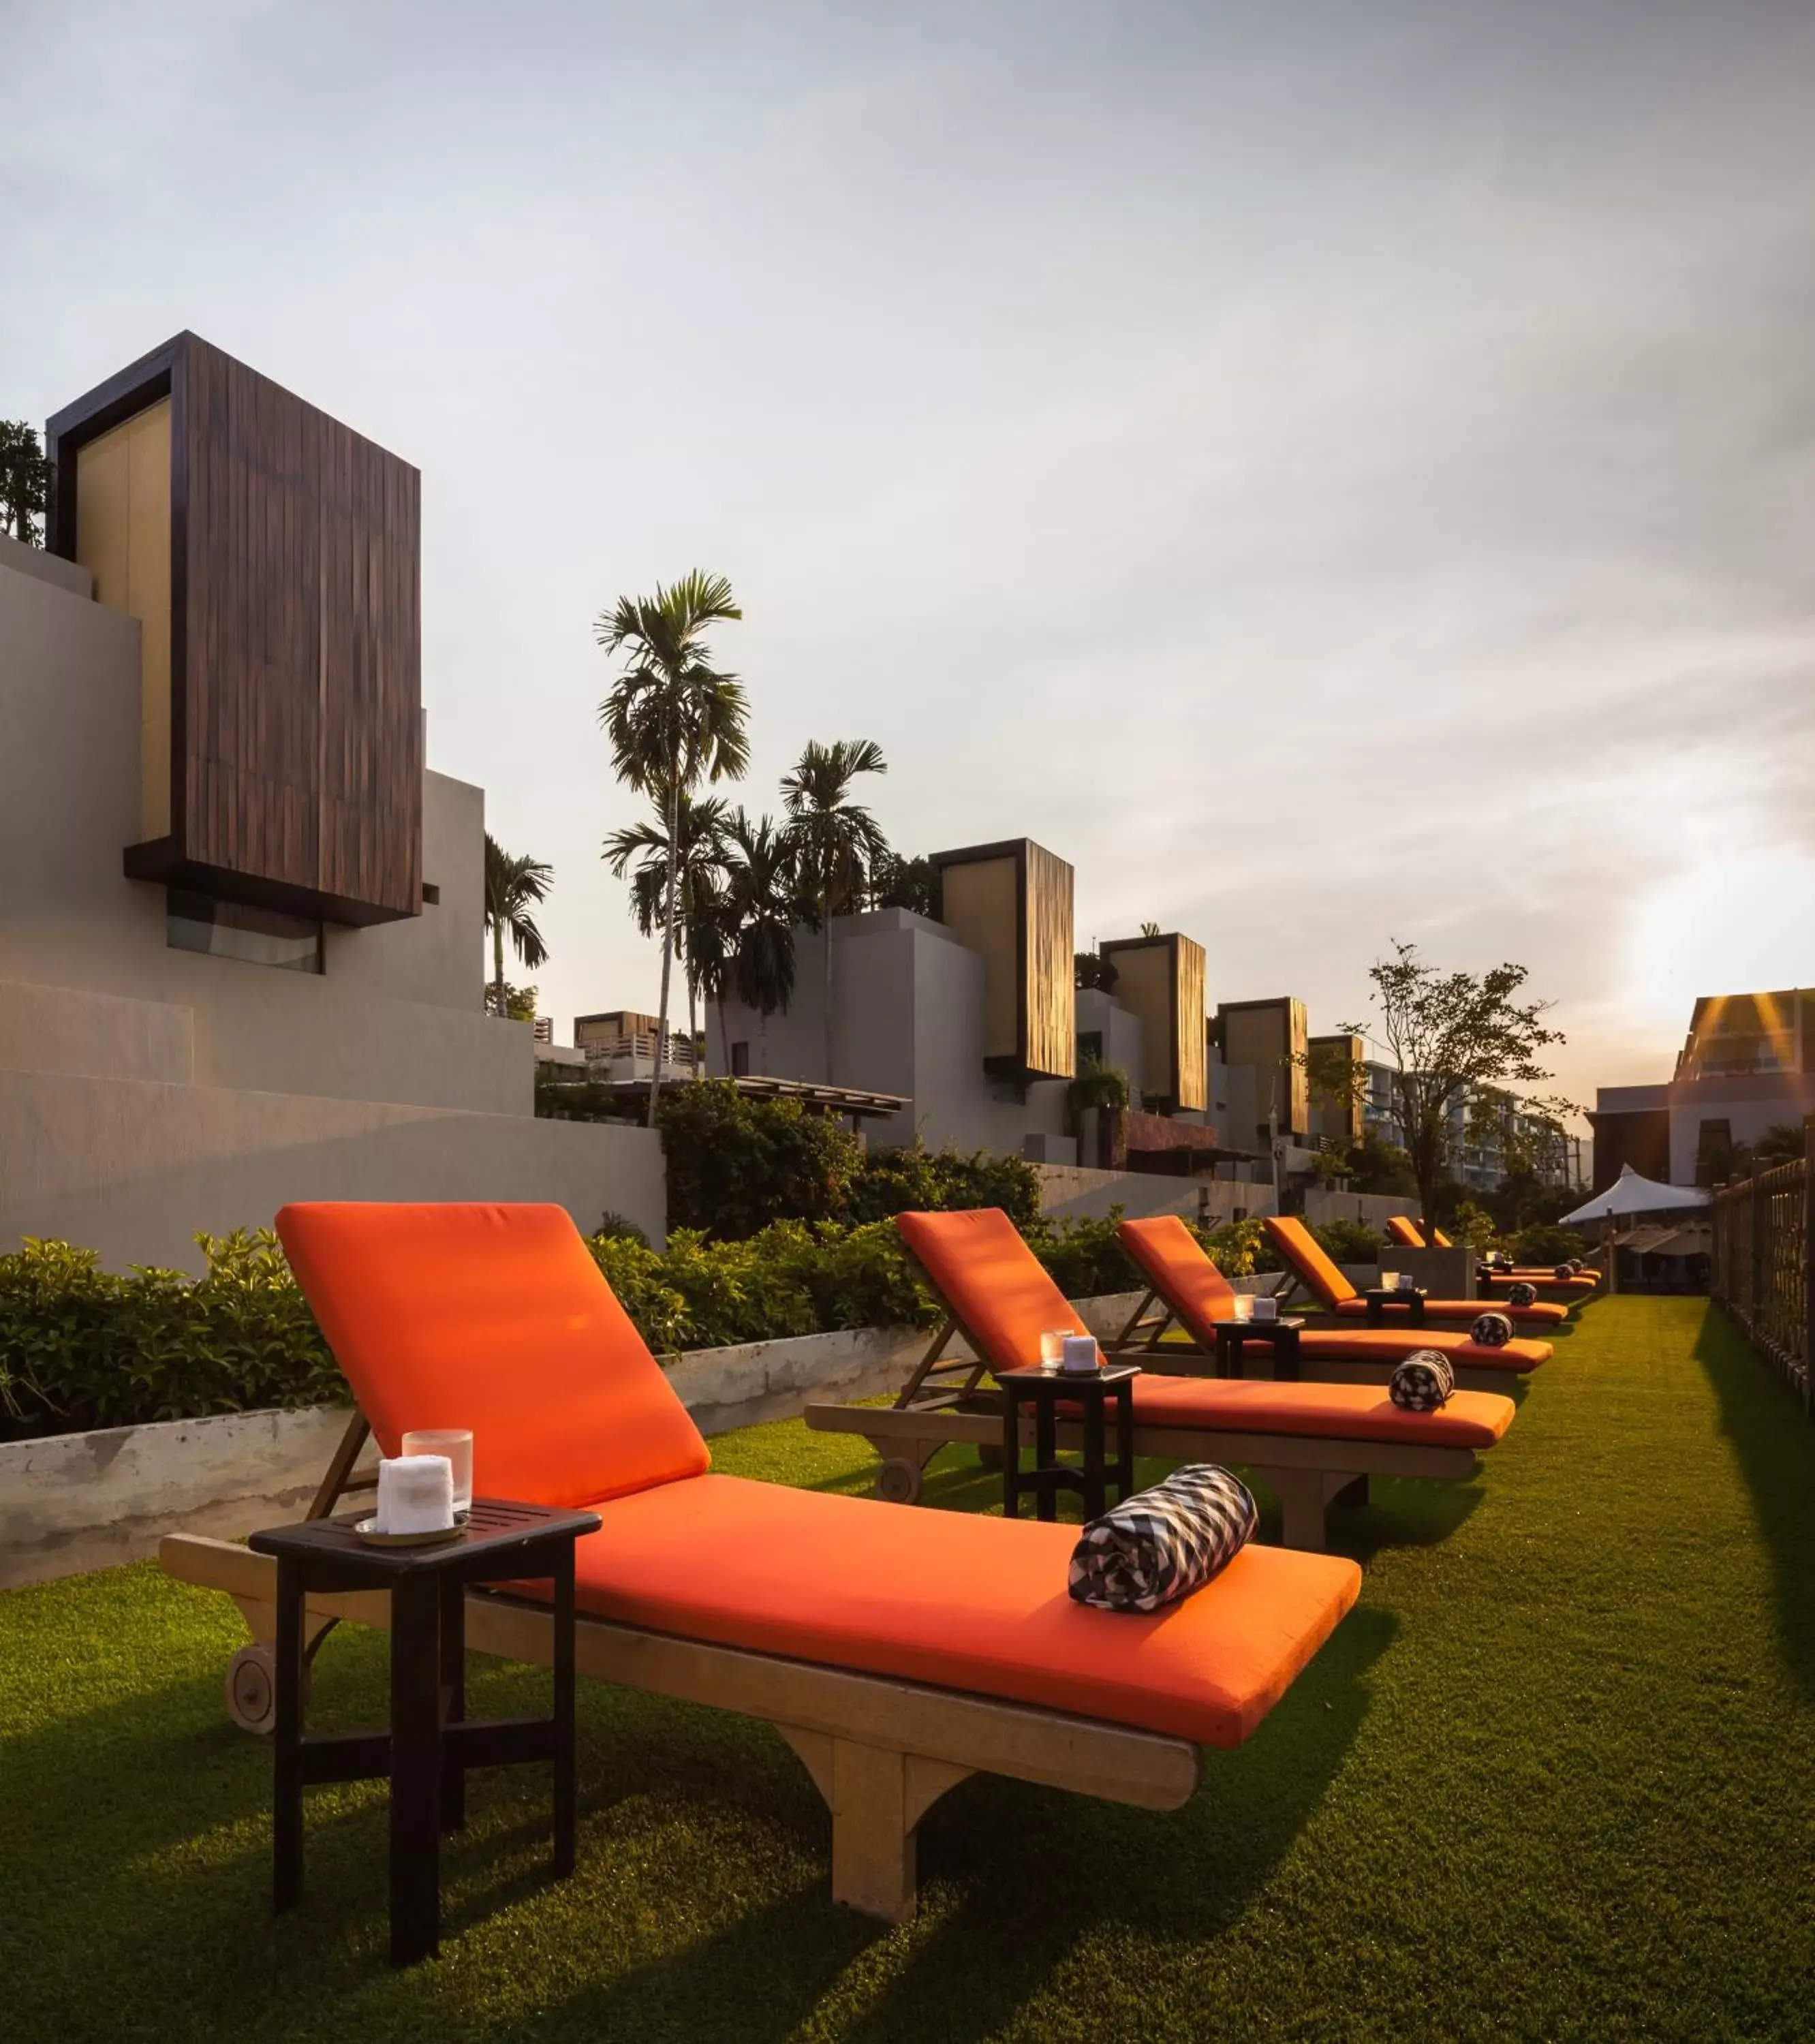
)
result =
(1280, 1336)
(1380, 1301)
(1046, 1387)
(430, 1742)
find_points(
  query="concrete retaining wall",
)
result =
(74, 1502)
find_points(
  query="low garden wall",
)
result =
(73, 1502)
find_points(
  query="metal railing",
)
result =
(1764, 1230)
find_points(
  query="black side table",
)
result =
(1280, 1336)
(1380, 1302)
(1045, 1389)
(431, 1741)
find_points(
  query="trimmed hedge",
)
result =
(81, 1347)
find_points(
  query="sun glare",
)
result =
(1735, 925)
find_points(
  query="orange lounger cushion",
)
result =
(1170, 1256)
(1395, 1344)
(1321, 1276)
(961, 1602)
(494, 1318)
(1000, 1289)
(1474, 1419)
(1547, 1312)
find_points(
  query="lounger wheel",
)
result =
(252, 1688)
(990, 1454)
(899, 1481)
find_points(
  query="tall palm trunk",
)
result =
(723, 1035)
(497, 965)
(692, 1022)
(825, 925)
(667, 943)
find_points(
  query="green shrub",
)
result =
(917, 1180)
(1348, 1241)
(1546, 1242)
(82, 1347)
(735, 1165)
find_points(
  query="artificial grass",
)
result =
(1550, 1779)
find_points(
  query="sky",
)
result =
(1335, 474)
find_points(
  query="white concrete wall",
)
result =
(907, 1006)
(1076, 1192)
(134, 1169)
(397, 1016)
(147, 1093)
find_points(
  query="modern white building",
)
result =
(1747, 1066)
(240, 925)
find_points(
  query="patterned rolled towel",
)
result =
(1422, 1382)
(1576, 1265)
(1564, 1273)
(1491, 1330)
(1164, 1542)
(1521, 1295)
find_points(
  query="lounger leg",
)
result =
(877, 1797)
(1302, 1496)
(1352, 1490)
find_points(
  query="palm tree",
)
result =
(764, 901)
(673, 720)
(513, 887)
(700, 837)
(836, 842)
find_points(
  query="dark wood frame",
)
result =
(165, 372)
(431, 1741)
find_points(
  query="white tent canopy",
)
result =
(1631, 1194)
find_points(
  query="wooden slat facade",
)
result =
(1162, 980)
(1012, 903)
(296, 766)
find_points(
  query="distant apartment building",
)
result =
(1478, 1124)
(974, 1018)
(1747, 1066)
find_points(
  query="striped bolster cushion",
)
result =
(1521, 1295)
(1422, 1382)
(1491, 1330)
(1164, 1542)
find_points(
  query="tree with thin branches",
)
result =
(836, 843)
(513, 886)
(24, 481)
(674, 721)
(699, 853)
(1453, 1035)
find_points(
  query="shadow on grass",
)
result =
(1762, 1418)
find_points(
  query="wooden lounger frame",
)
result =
(881, 1751)
(1187, 1358)
(1307, 1472)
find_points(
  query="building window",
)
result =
(741, 1061)
(229, 929)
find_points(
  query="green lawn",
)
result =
(1554, 1778)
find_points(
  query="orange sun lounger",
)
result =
(1311, 1443)
(896, 1653)
(1334, 1293)
(1405, 1232)
(1190, 1290)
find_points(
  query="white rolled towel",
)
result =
(415, 1494)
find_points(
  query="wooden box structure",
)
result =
(272, 558)
(1335, 1060)
(1011, 902)
(1161, 980)
(1273, 1037)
